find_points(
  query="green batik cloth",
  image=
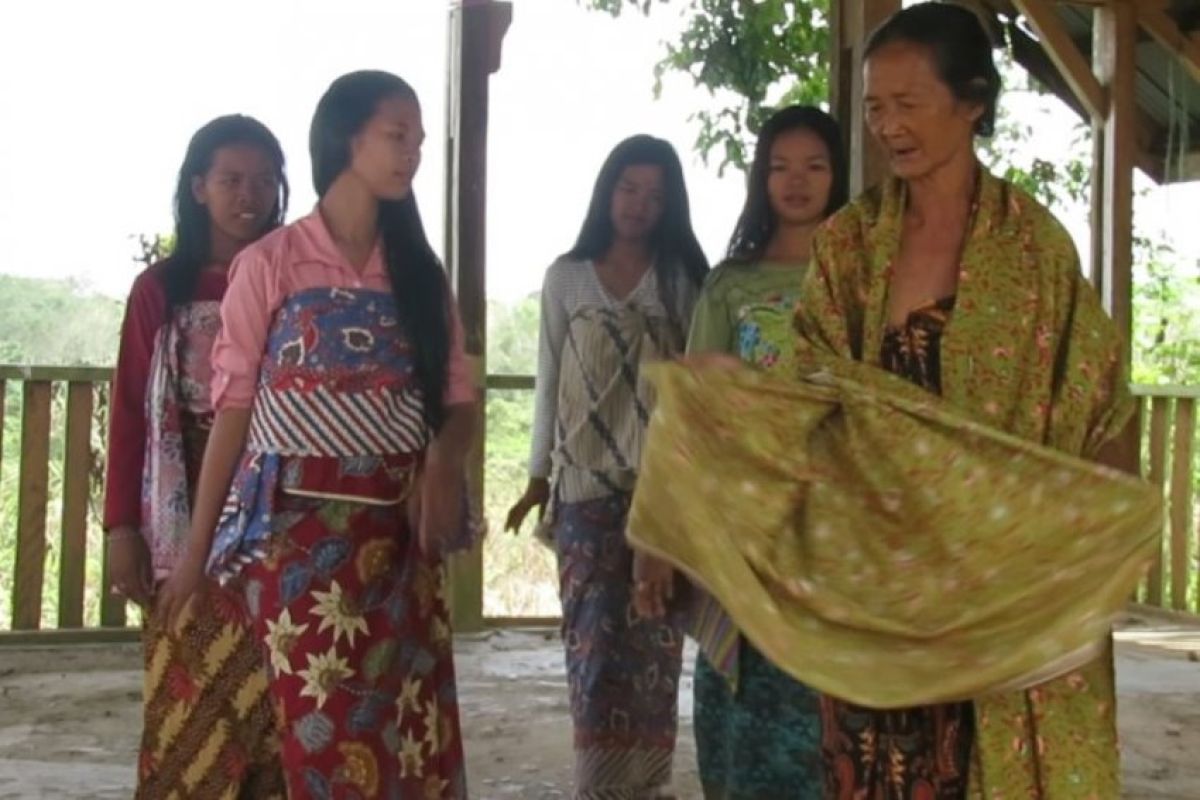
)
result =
(880, 547)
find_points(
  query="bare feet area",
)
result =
(70, 716)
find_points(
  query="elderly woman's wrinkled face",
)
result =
(913, 113)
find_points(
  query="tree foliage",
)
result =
(750, 55)
(56, 323)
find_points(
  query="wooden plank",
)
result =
(52, 374)
(76, 491)
(1071, 64)
(1158, 23)
(1115, 52)
(1157, 474)
(1164, 614)
(1181, 501)
(1175, 392)
(33, 495)
(549, 625)
(511, 382)
(57, 638)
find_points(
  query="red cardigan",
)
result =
(145, 314)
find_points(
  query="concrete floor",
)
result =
(70, 717)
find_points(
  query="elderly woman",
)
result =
(967, 287)
(888, 541)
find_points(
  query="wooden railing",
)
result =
(59, 432)
(62, 414)
(1170, 459)
(51, 488)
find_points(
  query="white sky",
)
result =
(99, 99)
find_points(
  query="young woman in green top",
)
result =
(757, 729)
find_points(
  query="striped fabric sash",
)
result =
(324, 423)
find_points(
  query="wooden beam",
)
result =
(52, 637)
(16, 372)
(1158, 23)
(1115, 54)
(1032, 55)
(1062, 51)
(477, 29)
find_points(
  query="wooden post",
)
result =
(477, 29)
(1115, 64)
(851, 22)
(841, 72)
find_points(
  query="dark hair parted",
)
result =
(673, 241)
(419, 284)
(192, 250)
(961, 50)
(757, 222)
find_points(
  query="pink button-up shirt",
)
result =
(291, 259)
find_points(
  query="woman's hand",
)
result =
(653, 585)
(537, 494)
(435, 508)
(186, 580)
(129, 572)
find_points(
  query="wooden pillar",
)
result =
(851, 22)
(476, 32)
(1115, 52)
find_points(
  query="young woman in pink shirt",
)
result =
(333, 480)
(208, 729)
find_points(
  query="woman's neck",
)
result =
(351, 212)
(945, 193)
(628, 253)
(222, 249)
(791, 244)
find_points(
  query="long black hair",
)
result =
(961, 50)
(673, 241)
(192, 250)
(757, 222)
(419, 283)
